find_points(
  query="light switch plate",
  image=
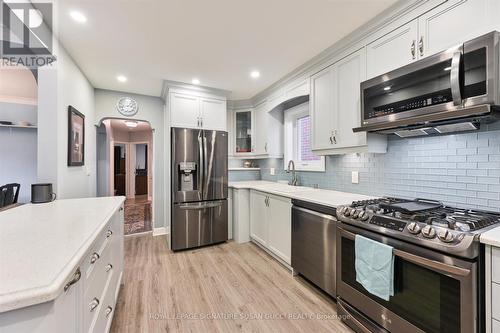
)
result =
(272, 171)
(355, 177)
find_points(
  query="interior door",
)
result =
(322, 104)
(394, 50)
(258, 217)
(280, 227)
(214, 165)
(184, 110)
(213, 114)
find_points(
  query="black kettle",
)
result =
(42, 192)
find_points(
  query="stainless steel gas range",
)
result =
(438, 269)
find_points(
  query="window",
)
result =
(298, 140)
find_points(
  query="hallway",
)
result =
(137, 215)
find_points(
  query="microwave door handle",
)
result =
(456, 92)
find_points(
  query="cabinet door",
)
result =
(260, 145)
(184, 110)
(351, 71)
(230, 133)
(452, 23)
(258, 217)
(321, 107)
(243, 133)
(280, 227)
(213, 114)
(396, 49)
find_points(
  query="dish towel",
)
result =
(374, 267)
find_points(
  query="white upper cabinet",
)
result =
(351, 71)
(184, 110)
(396, 49)
(336, 109)
(194, 111)
(261, 130)
(321, 103)
(230, 130)
(452, 23)
(213, 114)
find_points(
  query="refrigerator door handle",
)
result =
(201, 205)
(201, 168)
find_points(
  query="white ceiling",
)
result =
(217, 41)
(119, 125)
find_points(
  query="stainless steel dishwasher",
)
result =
(313, 244)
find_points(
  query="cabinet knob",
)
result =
(94, 257)
(108, 267)
(94, 304)
(75, 279)
(108, 311)
(421, 45)
(109, 233)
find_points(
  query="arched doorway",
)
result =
(125, 168)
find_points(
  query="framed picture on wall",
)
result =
(76, 137)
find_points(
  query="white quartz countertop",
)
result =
(41, 246)
(491, 237)
(319, 196)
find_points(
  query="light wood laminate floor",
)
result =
(224, 288)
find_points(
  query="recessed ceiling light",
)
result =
(78, 17)
(255, 74)
(131, 124)
(121, 78)
(387, 88)
(195, 81)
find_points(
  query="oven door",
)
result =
(433, 292)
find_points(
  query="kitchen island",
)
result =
(61, 265)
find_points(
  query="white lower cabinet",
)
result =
(241, 215)
(492, 286)
(88, 303)
(271, 223)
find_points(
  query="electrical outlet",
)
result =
(355, 177)
(272, 171)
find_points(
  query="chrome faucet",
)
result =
(294, 179)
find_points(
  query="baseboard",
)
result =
(161, 231)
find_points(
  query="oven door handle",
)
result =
(456, 84)
(432, 264)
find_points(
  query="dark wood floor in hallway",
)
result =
(224, 288)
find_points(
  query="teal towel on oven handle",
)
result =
(374, 267)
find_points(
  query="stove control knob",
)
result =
(428, 232)
(365, 216)
(346, 211)
(362, 215)
(413, 228)
(446, 236)
(356, 213)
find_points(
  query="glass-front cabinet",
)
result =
(243, 132)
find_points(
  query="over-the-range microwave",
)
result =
(454, 90)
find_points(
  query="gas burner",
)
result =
(426, 222)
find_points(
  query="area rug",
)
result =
(137, 217)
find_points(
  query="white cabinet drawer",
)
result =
(495, 301)
(107, 308)
(95, 289)
(97, 250)
(495, 264)
(495, 326)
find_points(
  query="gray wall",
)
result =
(458, 169)
(151, 109)
(18, 148)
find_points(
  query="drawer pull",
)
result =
(108, 311)
(109, 233)
(94, 257)
(75, 279)
(94, 304)
(108, 267)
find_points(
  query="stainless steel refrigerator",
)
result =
(199, 188)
